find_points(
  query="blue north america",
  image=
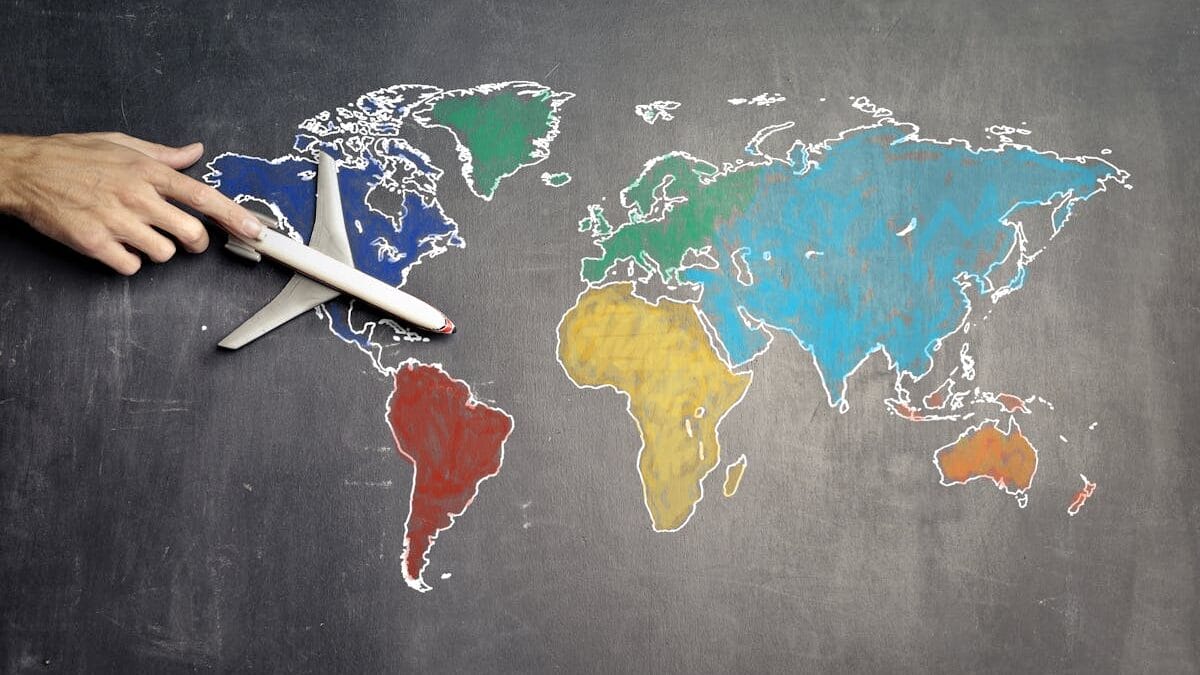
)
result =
(382, 245)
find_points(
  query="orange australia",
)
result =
(1006, 458)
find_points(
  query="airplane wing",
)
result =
(301, 293)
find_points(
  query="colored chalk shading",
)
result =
(595, 221)
(498, 128)
(556, 179)
(674, 180)
(1081, 497)
(454, 443)
(872, 241)
(733, 476)
(678, 389)
(1006, 458)
(1011, 403)
(383, 244)
(394, 220)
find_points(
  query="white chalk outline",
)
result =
(741, 267)
(947, 384)
(656, 111)
(354, 133)
(541, 145)
(764, 99)
(352, 147)
(754, 147)
(884, 116)
(1082, 496)
(548, 178)
(439, 244)
(638, 424)
(740, 461)
(418, 584)
(1119, 176)
(1022, 495)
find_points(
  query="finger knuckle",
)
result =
(91, 241)
(192, 233)
(146, 168)
(131, 196)
(162, 251)
(198, 195)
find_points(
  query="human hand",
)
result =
(106, 195)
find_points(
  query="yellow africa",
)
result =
(678, 389)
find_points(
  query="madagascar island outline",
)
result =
(876, 240)
(394, 222)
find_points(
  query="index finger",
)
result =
(208, 201)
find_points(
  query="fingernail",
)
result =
(252, 228)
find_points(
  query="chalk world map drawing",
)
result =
(394, 222)
(877, 243)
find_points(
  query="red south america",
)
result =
(454, 443)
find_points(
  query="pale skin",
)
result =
(112, 197)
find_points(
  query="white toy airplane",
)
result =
(325, 269)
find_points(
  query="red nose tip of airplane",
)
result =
(448, 328)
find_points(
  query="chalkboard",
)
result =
(167, 506)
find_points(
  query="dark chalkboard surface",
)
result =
(165, 506)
